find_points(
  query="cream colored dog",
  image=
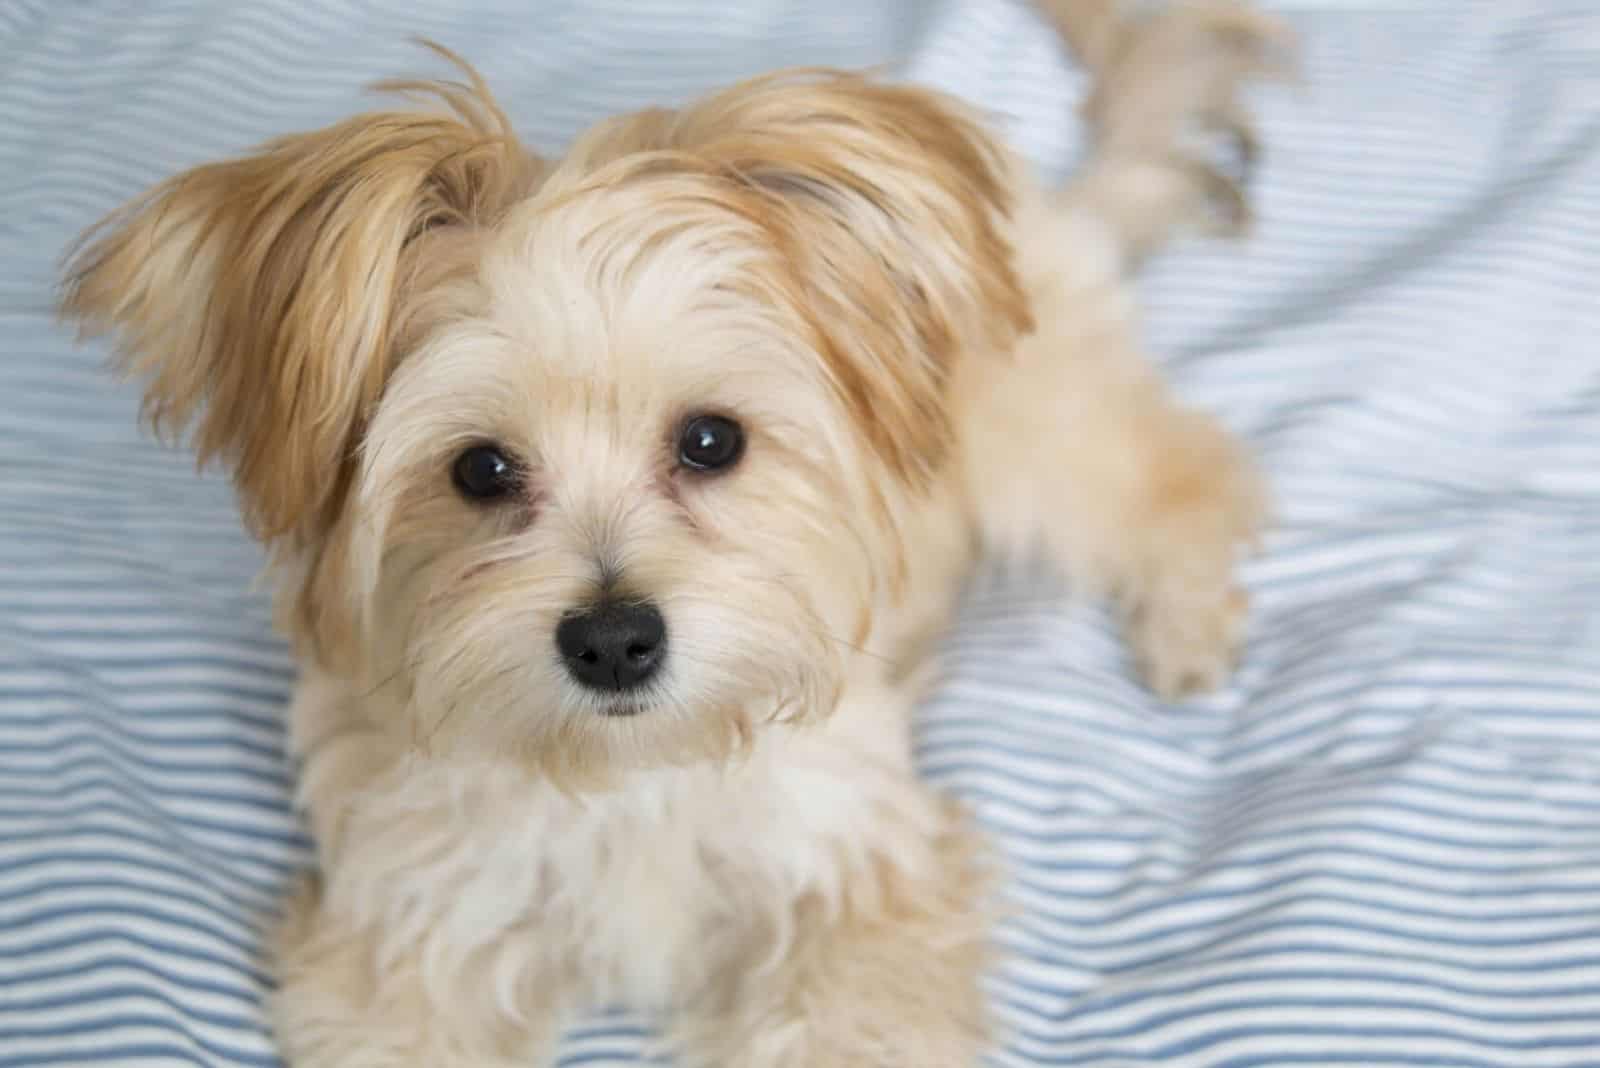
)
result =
(617, 502)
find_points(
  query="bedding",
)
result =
(1379, 846)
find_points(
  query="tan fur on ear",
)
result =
(257, 295)
(889, 202)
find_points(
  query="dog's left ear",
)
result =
(891, 205)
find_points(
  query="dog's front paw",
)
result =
(1171, 89)
(1187, 637)
(792, 1046)
(334, 1009)
(1186, 613)
(884, 974)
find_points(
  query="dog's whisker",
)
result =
(855, 647)
(480, 685)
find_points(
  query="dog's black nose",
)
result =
(615, 645)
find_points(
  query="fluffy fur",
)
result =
(932, 355)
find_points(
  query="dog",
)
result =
(616, 504)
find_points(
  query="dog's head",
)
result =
(600, 462)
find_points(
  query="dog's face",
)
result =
(613, 491)
(602, 464)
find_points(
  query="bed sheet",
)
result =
(1379, 846)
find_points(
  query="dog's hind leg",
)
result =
(1172, 147)
(1078, 448)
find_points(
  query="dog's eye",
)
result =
(483, 473)
(710, 443)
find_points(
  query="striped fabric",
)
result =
(1381, 846)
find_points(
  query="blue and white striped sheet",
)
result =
(1380, 846)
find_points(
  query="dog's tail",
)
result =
(1172, 144)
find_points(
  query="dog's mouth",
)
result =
(627, 705)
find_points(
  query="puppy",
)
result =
(616, 503)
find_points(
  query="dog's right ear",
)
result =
(258, 296)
